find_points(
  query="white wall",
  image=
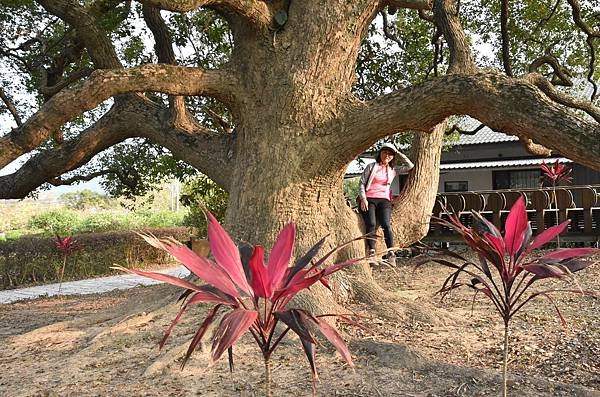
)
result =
(478, 179)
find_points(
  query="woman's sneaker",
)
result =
(391, 258)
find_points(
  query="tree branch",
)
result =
(103, 84)
(219, 120)
(445, 13)
(135, 117)
(51, 163)
(79, 178)
(388, 30)
(591, 35)
(413, 4)
(411, 217)
(560, 75)
(164, 50)
(99, 47)
(255, 11)
(11, 107)
(562, 98)
(504, 10)
(456, 128)
(516, 106)
(67, 81)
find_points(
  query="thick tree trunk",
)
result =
(263, 201)
(412, 209)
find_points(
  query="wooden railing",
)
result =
(580, 204)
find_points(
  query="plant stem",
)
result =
(267, 377)
(62, 272)
(556, 213)
(505, 362)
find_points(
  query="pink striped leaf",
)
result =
(331, 334)
(202, 267)
(515, 227)
(233, 325)
(226, 253)
(260, 279)
(547, 235)
(198, 297)
(179, 282)
(544, 271)
(567, 253)
(280, 256)
(200, 333)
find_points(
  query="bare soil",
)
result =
(93, 346)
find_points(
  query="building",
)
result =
(489, 160)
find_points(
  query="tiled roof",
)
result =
(502, 163)
(484, 135)
(357, 167)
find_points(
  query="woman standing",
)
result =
(376, 195)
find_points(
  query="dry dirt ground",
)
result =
(94, 346)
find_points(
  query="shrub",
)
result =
(102, 222)
(203, 194)
(36, 260)
(147, 218)
(55, 221)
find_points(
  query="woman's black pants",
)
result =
(380, 211)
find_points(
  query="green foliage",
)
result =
(385, 65)
(85, 199)
(147, 218)
(66, 222)
(102, 222)
(351, 188)
(202, 194)
(55, 221)
(36, 259)
(535, 27)
(142, 166)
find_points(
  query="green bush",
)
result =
(147, 218)
(55, 221)
(102, 222)
(351, 188)
(36, 259)
(84, 199)
(199, 194)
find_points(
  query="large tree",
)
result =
(285, 114)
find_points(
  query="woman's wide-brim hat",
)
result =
(390, 146)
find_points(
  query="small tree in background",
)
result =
(199, 194)
(256, 294)
(555, 174)
(505, 272)
(85, 199)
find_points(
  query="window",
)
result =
(456, 186)
(516, 179)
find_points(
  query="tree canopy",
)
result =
(176, 86)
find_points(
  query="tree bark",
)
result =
(412, 209)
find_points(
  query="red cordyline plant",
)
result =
(555, 174)
(254, 295)
(66, 246)
(504, 271)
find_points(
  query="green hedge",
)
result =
(31, 260)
